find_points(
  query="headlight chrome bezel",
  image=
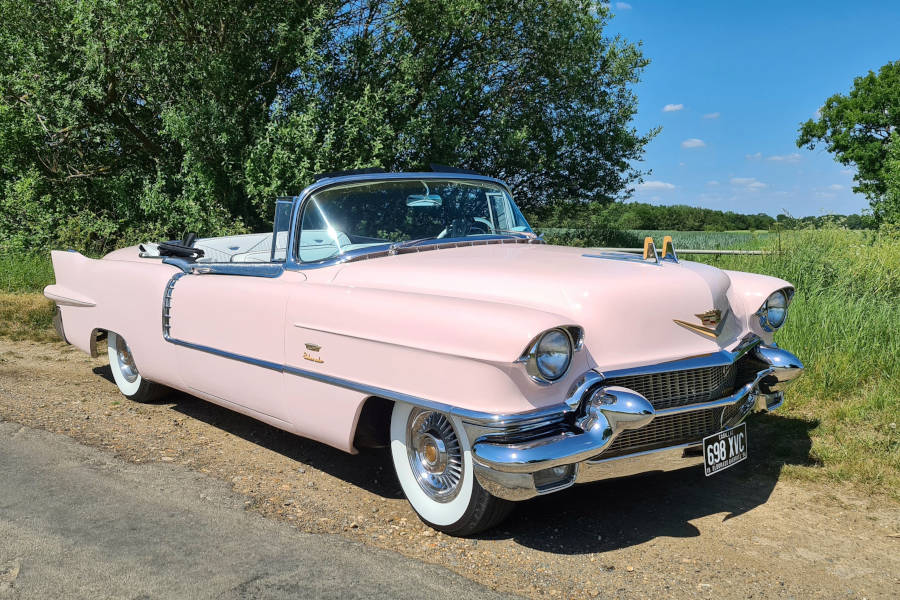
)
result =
(574, 336)
(768, 324)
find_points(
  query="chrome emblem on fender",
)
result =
(712, 322)
(710, 318)
(312, 357)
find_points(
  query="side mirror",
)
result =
(423, 200)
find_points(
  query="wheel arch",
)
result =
(373, 425)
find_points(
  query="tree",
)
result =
(127, 119)
(857, 129)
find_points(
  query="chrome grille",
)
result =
(667, 430)
(680, 388)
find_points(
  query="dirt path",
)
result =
(743, 534)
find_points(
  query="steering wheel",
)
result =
(464, 226)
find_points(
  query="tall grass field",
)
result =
(840, 420)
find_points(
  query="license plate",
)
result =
(725, 449)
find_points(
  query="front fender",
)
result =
(748, 292)
(470, 328)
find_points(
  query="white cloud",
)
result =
(835, 187)
(785, 157)
(712, 183)
(714, 115)
(750, 183)
(693, 143)
(755, 156)
(623, 6)
(656, 185)
(673, 107)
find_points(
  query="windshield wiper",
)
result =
(393, 248)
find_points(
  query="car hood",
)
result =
(626, 305)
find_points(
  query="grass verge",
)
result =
(25, 272)
(26, 316)
(844, 324)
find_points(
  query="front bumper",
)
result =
(520, 463)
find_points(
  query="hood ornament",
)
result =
(712, 322)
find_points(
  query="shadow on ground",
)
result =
(595, 517)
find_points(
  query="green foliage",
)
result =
(621, 216)
(844, 323)
(860, 130)
(121, 120)
(25, 272)
(707, 240)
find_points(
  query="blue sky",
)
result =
(730, 84)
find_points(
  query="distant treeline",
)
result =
(636, 215)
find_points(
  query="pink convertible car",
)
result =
(419, 311)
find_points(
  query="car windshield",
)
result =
(373, 214)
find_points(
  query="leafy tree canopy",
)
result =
(121, 119)
(860, 130)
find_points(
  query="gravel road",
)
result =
(77, 522)
(743, 534)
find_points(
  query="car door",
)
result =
(228, 330)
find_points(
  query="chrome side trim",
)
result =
(269, 270)
(491, 420)
(167, 303)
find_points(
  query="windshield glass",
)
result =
(349, 217)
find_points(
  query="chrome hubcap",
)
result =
(435, 454)
(126, 362)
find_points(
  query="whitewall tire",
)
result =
(126, 374)
(433, 460)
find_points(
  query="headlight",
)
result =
(550, 354)
(773, 313)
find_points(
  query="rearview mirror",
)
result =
(423, 200)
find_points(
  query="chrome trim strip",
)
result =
(716, 359)
(469, 416)
(267, 269)
(167, 304)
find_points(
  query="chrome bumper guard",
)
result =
(548, 463)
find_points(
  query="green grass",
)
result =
(25, 272)
(706, 240)
(844, 323)
(24, 312)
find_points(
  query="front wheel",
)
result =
(125, 372)
(433, 461)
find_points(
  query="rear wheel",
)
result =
(126, 374)
(433, 461)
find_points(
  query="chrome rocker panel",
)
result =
(518, 471)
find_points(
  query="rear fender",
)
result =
(99, 295)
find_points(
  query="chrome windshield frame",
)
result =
(293, 262)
